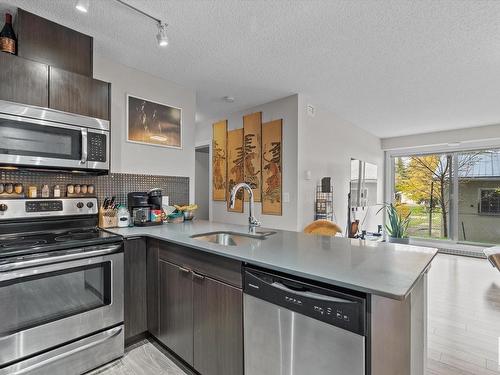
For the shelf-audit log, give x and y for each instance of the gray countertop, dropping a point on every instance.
(380, 268)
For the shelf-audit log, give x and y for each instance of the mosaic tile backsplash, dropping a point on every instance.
(114, 184)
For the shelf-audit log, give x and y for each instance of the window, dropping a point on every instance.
(489, 201)
(422, 186)
(453, 195)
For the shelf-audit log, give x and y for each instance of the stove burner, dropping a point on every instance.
(77, 236)
(21, 243)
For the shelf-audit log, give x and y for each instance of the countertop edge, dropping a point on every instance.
(398, 297)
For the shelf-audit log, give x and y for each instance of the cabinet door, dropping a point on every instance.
(176, 310)
(218, 327)
(75, 93)
(23, 81)
(42, 40)
(135, 289)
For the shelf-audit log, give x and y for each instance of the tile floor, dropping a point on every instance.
(143, 358)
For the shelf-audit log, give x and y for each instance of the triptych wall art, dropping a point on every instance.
(252, 155)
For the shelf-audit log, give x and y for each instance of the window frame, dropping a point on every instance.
(480, 201)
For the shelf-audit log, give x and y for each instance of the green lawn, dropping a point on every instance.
(419, 222)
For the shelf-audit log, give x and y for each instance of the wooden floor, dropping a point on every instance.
(464, 317)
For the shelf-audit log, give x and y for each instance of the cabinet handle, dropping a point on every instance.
(185, 270)
(198, 276)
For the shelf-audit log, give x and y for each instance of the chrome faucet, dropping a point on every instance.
(252, 221)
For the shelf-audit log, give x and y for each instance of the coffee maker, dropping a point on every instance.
(145, 208)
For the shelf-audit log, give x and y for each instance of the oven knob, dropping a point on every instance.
(79, 205)
(3, 207)
(90, 204)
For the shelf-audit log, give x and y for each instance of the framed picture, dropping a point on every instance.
(272, 167)
(153, 123)
(235, 160)
(219, 160)
(252, 138)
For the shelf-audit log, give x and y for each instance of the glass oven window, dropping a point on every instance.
(35, 300)
(28, 139)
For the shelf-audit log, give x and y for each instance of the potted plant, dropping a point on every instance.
(397, 224)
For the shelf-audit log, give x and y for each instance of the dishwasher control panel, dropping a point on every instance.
(330, 306)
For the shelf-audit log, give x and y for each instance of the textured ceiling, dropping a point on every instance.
(391, 67)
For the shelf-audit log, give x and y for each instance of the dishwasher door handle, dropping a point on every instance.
(316, 296)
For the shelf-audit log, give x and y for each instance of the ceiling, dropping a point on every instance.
(391, 67)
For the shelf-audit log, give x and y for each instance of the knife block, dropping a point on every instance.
(108, 218)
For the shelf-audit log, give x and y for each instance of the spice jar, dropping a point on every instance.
(57, 191)
(84, 189)
(90, 189)
(18, 188)
(9, 188)
(45, 191)
(70, 189)
(32, 192)
(77, 189)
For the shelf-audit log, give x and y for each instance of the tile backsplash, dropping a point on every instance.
(114, 184)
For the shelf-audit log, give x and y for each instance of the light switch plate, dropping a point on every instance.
(286, 197)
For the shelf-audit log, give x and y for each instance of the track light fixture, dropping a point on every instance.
(161, 36)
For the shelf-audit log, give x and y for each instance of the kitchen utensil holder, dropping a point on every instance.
(108, 218)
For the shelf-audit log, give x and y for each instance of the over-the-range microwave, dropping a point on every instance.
(36, 137)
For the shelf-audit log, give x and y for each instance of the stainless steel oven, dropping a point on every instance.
(62, 311)
(45, 138)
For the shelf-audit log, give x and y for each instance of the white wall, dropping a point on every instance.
(323, 144)
(285, 109)
(327, 144)
(202, 184)
(129, 157)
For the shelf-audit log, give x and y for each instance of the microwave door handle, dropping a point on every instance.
(84, 146)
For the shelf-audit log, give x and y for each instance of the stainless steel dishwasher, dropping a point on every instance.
(296, 328)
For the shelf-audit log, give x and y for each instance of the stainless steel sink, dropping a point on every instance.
(227, 238)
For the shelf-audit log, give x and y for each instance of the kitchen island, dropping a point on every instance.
(392, 276)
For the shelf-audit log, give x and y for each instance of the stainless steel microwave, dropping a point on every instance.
(38, 137)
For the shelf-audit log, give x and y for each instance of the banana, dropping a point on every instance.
(190, 207)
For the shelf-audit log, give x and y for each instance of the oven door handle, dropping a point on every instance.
(73, 254)
(109, 335)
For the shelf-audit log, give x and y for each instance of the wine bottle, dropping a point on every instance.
(8, 39)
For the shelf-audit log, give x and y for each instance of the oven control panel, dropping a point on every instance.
(44, 206)
(11, 209)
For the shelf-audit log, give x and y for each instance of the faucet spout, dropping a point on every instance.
(252, 221)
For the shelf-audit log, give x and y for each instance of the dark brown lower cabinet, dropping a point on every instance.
(176, 309)
(135, 288)
(218, 327)
(200, 317)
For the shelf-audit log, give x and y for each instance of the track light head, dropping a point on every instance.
(82, 6)
(161, 37)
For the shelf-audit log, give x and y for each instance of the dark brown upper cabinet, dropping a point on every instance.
(50, 43)
(23, 81)
(76, 93)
